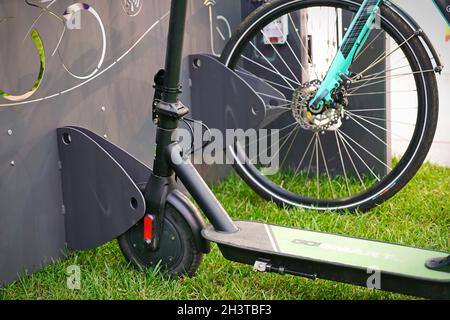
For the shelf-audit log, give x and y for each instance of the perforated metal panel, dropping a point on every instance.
(115, 102)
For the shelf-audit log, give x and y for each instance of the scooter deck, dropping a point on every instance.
(368, 263)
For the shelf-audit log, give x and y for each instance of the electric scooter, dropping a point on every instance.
(170, 231)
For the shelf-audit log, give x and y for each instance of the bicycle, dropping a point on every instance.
(342, 107)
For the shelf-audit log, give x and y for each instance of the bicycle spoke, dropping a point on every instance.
(381, 109)
(297, 127)
(279, 56)
(367, 151)
(43, 9)
(383, 119)
(310, 162)
(317, 166)
(371, 76)
(270, 70)
(351, 160)
(273, 97)
(304, 156)
(384, 56)
(326, 167)
(359, 157)
(278, 107)
(273, 67)
(390, 121)
(344, 170)
(379, 92)
(297, 32)
(290, 147)
(395, 76)
(370, 132)
(375, 125)
(384, 71)
(365, 85)
(292, 51)
(369, 83)
(284, 137)
(272, 133)
(368, 45)
(283, 106)
(243, 71)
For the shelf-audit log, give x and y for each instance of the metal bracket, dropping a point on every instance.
(174, 110)
(99, 181)
(215, 87)
(100, 192)
(224, 99)
(261, 266)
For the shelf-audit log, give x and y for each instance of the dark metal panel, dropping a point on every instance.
(215, 93)
(216, 100)
(137, 170)
(32, 231)
(101, 200)
(115, 103)
(31, 218)
(269, 98)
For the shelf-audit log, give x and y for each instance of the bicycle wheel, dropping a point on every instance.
(365, 150)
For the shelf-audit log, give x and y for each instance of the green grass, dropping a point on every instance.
(419, 215)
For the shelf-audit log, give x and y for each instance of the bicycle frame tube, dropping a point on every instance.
(354, 40)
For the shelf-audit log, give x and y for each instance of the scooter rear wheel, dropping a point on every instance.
(177, 256)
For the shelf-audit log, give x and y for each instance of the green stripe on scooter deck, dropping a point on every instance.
(360, 253)
(331, 249)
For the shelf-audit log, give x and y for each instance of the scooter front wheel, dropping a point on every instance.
(178, 254)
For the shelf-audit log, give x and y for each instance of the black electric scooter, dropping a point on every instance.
(172, 233)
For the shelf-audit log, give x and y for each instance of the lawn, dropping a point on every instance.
(419, 215)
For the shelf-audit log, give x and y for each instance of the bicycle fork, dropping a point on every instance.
(354, 40)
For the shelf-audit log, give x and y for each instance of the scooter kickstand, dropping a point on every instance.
(262, 266)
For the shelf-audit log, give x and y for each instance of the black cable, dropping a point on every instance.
(187, 121)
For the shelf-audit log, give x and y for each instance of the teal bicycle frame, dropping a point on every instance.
(354, 40)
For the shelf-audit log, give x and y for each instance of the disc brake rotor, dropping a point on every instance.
(329, 119)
